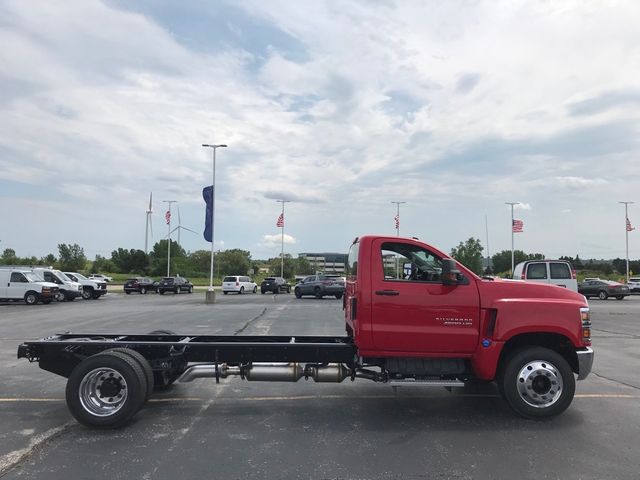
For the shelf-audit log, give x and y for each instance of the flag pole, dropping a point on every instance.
(398, 233)
(512, 250)
(282, 238)
(627, 226)
(486, 229)
(169, 235)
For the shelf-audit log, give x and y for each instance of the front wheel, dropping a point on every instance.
(190, 290)
(603, 295)
(143, 291)
(241, 290)
(31, 298)
(60, 297)
(87, 293)
(537, 382)
(297, 293)
(255, 289)
(317, 292)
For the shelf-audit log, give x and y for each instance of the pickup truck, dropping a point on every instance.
(413, 316)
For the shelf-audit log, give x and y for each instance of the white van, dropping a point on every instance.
(17, 284)
(68, 290)
(555, 272)
(238, 284)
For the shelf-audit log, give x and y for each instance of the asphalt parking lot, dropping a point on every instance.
(357, 430)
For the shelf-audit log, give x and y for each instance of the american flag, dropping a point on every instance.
(629, 227)
(167, 216)
(517, 226)
(397, 219)
(280, 222)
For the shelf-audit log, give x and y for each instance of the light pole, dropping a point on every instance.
(512, 232)
(627, 229)
(168, 217)
(213, 207)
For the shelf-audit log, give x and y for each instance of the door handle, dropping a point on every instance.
(390, 293)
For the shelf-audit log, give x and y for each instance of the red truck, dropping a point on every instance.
(413, 316)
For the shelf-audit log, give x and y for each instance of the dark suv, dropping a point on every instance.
(140, 285)
(175, 285)
(275, 285)
(320, 285)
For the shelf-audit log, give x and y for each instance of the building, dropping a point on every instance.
(326, 262)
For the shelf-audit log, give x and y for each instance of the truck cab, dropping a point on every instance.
(418, 314)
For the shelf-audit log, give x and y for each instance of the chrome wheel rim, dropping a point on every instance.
(539, 384)
(103, 392)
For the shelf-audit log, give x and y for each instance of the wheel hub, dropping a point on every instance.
(539, 384)
(103, 392)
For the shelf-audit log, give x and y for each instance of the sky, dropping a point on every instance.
(340, 107)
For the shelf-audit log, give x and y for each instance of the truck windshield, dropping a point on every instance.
(33, 277)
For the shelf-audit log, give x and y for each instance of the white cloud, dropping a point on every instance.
(522, 206)
(271, 241)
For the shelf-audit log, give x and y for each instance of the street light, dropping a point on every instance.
(213, 207)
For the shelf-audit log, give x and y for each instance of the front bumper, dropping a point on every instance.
(585, 362)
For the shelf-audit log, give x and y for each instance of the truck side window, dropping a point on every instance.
(18, 278)
(407, 262)
(560, 271)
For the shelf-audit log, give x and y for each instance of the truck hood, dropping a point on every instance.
(492, 291)
(48, 284)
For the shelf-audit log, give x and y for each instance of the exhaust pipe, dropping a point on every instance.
(269, 372)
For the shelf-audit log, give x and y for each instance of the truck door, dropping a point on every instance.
(17, 286)
(412, 311)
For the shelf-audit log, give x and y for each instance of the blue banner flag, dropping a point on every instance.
(207, 194)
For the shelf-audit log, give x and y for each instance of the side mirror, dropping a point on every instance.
(450, 272)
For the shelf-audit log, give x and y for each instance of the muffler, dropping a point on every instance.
(269, 372)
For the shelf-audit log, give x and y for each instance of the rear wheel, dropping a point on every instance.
(60, 297)
(620, 297)
(106, 390)
(297, 293)
(537, 382)
(31, 298)
(255, 289)
(143, 291)
(146, 367)
(317, 292)
(603, 295)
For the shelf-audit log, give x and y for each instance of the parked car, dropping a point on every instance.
(68, 290)
(103, 278)
(91, 289)
(555, 272)
(275, 285)
(238, 284)
(175, 285)
(19, 284)
(603, 289)
(140, 285)
(634, 284)
(320, 285)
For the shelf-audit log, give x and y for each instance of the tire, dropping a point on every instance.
(161, 292)
(255, 289)
(61, 297)
(262, 291)
(317, 292)
(602, 295)
(297, 293)
(143, 291)
(146, 367)
(338, 296)
(127, 292)
(31, 298)
(620, 297)
(177, 290)
(96, 295)
(537, 382)
(87, 293)
(87, 401)
(224, 293)
(241, 291)
(191, 290)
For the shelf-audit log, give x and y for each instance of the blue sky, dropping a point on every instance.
(341, 107)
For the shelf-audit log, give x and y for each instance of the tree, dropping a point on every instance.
(233, 262)
(72, 257)
(469, 254)
(101, 264)
(302, 266)
(9, 256)
(289, 266)
(501, 261)
(158, 257)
